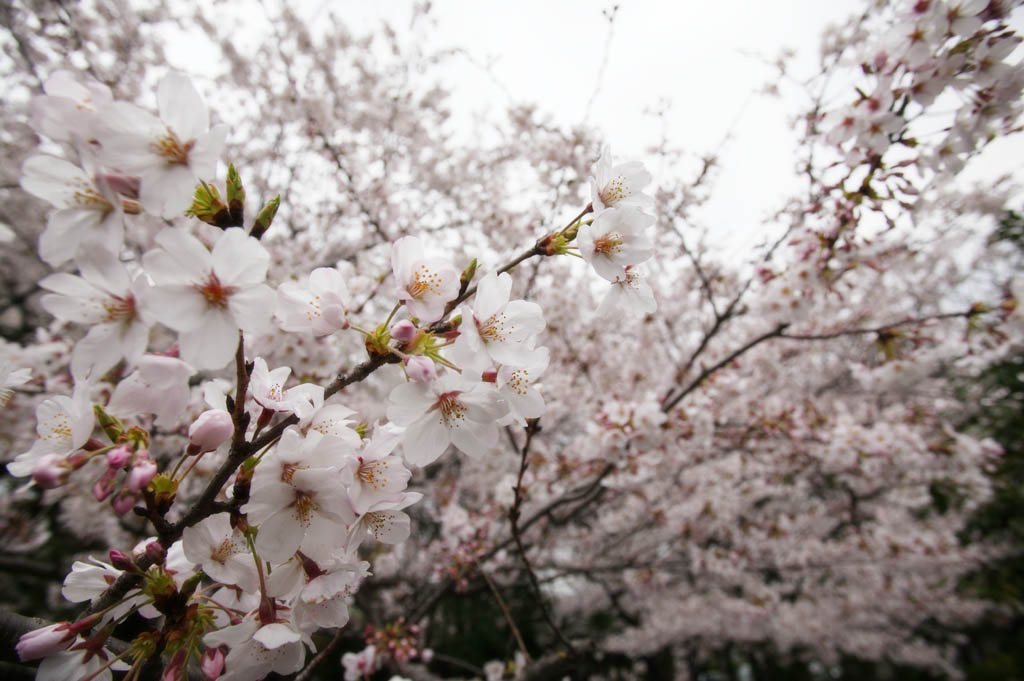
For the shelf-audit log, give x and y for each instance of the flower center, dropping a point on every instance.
(119, 309)
(494, 328)
(372, 473)
(216, 293)
(452, 411)
(615, 191)
(173, 150)
(424, 281)
(224, 551)
(59, 429)
(304, 508)
(608, 244)
(519, 381)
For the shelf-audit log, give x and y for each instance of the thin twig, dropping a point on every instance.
(328, 649)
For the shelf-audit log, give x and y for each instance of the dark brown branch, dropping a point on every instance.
(315, 662)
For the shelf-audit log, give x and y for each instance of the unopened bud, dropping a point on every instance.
(403, 330)
(124, 502)
(212, 663)
(122, 561)
(119, 456)
(210, 430)
(44, 642)
(266, 217)
(139, 476)
(420, 369)
(103, 487)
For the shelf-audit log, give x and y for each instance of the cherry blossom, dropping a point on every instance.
(11, 378)
(110, 302)
(88, 212)
(449, 411)
(619, 185)
(317, 306)
(616, 239)
(505, 330)
(170, 153)
(63, 424)
(423, 284)
(207, 296)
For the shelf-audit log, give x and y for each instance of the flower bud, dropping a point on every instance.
(124, 502)
(140, 475)
(44, 642)
(421, 369)
(403, 330)
(122, 561)
(119, 456)
(50, 471)
(155, 552)
(103, 487)
(212, 428)
(212, 663)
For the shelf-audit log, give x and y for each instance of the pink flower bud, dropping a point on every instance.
(44, 642)
(119, 456)
(403, 331)
(213, 427)
(212, 663)
(155, 552)
(122, 561)
(175, 669)
(420, 369)
(124, 502)
(139, 476)
(103, 487)
(50, 471)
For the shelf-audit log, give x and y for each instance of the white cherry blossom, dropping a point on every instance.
(617, 238)
(11, 378)
(87, 209)
(208, 296)
(423, 284)
(109, 301)
(67, 112)
(222, 551)
(505, 330)
(63, 424)
(317, 306)
(449, 411)
(159, 385)
(170, 153)
(618, 185)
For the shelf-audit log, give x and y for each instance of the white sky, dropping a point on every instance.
(704, 60)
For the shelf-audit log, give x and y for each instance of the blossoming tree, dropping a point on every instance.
(417, 371)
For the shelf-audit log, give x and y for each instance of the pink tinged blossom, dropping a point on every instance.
(11, 378)
(221, 551)
(44, 642)
(88, 581)
(361, 665)
(384, 521)
(629, 293)
(318, 306)
(208, 296)
(88, 212)
(106, 300)
(450, 411)
(403, 330)
(212, 663)
(420, 369)
(67, 112)
(159, 385)
(170, 153)
(211, 429)
(616, 239)
(124, 502)
(505, 330)
(424, 285)
(267, 388)
(63, 424)
(332, 420)
(619, 185)
(51, 470)
(516, 386)
(119, 456)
